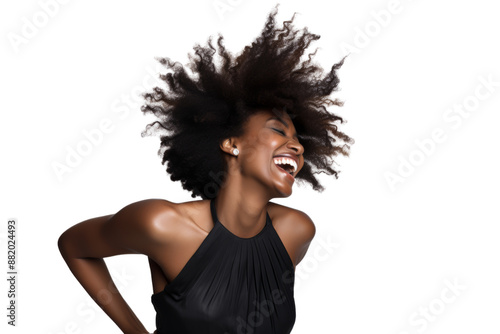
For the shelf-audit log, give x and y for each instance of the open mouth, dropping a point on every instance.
(286, 164)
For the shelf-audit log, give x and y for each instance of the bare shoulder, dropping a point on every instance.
(288, 218)
(156, 219)
(295, 229)
(146, 227)
(162, 216)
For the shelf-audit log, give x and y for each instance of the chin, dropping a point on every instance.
(283, 193)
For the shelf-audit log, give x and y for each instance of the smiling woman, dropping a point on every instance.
(239, 132)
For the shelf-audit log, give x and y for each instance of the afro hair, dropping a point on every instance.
(199, 110)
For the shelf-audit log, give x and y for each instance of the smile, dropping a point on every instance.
(286, 165)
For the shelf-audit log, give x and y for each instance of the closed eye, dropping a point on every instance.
(279, 131)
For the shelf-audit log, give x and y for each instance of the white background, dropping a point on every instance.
(382, 255)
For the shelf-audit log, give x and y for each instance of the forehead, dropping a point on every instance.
(264, 116)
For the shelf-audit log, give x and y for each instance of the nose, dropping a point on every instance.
(295, 145)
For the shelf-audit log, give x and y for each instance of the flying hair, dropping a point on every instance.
(211, 103)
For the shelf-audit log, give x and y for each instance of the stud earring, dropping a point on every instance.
(236, 151)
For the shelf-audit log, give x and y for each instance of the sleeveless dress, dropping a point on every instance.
(231, 285)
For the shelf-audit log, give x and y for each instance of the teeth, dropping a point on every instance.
(282, 161)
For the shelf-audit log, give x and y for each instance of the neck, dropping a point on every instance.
(241, 206)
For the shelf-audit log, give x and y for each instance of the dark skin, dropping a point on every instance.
(169, 233)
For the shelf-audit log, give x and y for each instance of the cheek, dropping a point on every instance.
(256, 146)
(263, 136)
(258, 154)
(268, 139)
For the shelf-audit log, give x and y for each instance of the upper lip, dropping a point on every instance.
(291, 156)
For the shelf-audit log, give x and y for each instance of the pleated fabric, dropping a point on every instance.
(231, 285)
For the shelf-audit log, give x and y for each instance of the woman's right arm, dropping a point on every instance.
(139, 228)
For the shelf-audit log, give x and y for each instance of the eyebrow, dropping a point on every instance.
(284, 123)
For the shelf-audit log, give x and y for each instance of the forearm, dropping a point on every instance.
(93, 275)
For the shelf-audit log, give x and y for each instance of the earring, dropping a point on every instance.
(236, 151)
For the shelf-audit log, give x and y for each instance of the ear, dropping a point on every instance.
(228, 144)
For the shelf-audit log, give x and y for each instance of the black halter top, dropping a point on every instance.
(231, 285)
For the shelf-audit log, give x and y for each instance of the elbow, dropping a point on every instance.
(63, 243)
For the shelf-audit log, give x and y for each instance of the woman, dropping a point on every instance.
(240, 132)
